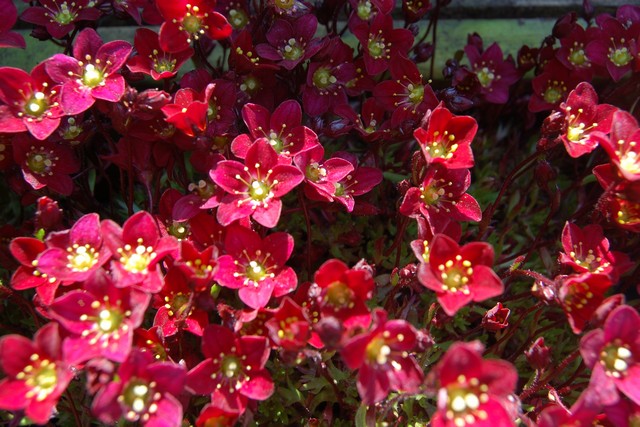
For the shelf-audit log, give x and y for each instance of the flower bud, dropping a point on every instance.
(538, 355)
(496, 318)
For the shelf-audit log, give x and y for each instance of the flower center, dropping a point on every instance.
(364, 10)
(238, 19)
(40, 376)
(109, 320)
(81, 258)
(339, 295)
(376, 47)
(259, 191)
(314, 172)
(92, 76)
(137, 396)
(463, 405)
(191, 24)
(485, 76)
(629, 161)
(340, 190)
(616, 359)
(37, 105)
(628, 213)
(284, 4)
(292, 50)
(179, 230)
(621, 56)
(455, 275)
(322, 78)
(440, 147)
(138, 259)
(416, 93)
(161, 65)
(577, 56)
(255, 271)
(377, 351)
(64, 16)
(431, 194)
(554, 92)
(230, 366)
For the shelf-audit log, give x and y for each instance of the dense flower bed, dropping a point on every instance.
(268, 213)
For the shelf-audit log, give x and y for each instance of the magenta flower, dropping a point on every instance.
(31, 102)
(74, 255)
(473, 391)
(92, 73)
(45, 163)
(255, 266)
(143, 391)
(100, 318)
(36, 373)
(362, 180)
(459, 274)
(138, 248)
(233, 370)
(552, 86)
(380, 41)
(254, 188)
(59, 17)
(615, 48)
(152, 59)
(9, 38)
(188, 20)
(383, 359)
(321, 176)
(291, 43)
(612, 354)
(282, 129)
(494, 73)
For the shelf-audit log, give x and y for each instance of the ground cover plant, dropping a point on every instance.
(279, 212)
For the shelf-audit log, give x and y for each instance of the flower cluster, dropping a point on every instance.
(264, 213)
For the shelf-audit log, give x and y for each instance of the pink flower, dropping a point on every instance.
(31, 102)
(321, 176)
(233, 370)
(254, 188)
(188, 20)
(612, 354)
(473, 391)
(101, 319)
(255, 266)
(459, 274)
(143, 391)
(382, 358)
(36, 373)
(623, 145)
(92, 73)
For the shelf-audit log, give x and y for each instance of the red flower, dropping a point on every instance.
(188, 20)
(587, 250)
(45, 163)
(91, 74)
(59, 17)
(26, 250)
(188, 112)
(612, 354)
(36, 373)
(473, 391)
(623, 145)
(497, 318)
(142, 391)
(580, 295)
(459, 274)
(382, 358)
(76, 254)
(442, 197)
(255, 266)
(138, 248)
(233, 371)
(101, 319)
(289, 328)
(152, 59)
(445, 138)
(552, 86)
(9, 38)
(254, 188)
(583, 116)
(344, 292)
(380, 40)
(31, 102)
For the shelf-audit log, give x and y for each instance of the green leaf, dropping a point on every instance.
(361, 416)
